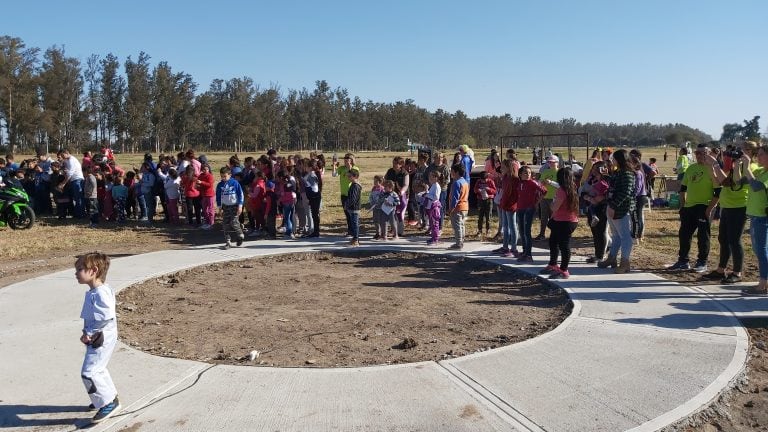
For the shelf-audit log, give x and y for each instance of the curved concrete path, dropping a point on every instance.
(638, 353)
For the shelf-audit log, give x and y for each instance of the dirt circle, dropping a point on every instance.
(322, 309)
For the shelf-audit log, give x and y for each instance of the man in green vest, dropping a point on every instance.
(699, 194)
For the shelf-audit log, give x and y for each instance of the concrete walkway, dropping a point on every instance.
(637, 353)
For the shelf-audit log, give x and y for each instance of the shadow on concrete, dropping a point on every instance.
(24, 415)
(685, 321)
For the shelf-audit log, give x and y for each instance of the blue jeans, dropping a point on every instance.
(151, 203)
(288, 218)
(509, 229)
(758, 230)
(76, 194)
(621, 237)
(147, 205)
(354, 224)
(525, 222)
(142, 206)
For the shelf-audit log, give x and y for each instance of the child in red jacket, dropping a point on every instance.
(529, 195)
(257, 193)
(206, 185)
(191, 195)
(485, 190)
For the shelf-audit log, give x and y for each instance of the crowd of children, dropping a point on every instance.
(107, 192)
(254, 193)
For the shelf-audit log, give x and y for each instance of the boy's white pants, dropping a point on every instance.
(95, 376)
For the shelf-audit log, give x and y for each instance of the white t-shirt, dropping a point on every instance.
(73, 168)
(433, 194)
(98, 307)
(182, 166)
(172, 187)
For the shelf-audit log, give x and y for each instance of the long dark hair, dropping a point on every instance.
(622, 160)
(568, 185)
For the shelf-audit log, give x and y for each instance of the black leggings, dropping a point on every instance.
(314, 208)
(560, 242)
(194, 209)
(484, 212)
(599, 237)
(732, 222)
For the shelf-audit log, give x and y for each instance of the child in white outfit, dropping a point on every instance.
(99, 333)
(387, 203)
(373, 200)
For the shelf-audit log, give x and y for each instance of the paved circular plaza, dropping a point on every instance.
(637, 353)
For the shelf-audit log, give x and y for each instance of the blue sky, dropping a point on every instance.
(702, 63)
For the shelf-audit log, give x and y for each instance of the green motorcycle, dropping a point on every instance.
(15, 211)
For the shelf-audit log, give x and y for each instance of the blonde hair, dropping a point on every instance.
(95, 261)
(750, 147)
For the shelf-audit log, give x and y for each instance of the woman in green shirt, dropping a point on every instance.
(682, 163)
(757, 205)
(733, 214)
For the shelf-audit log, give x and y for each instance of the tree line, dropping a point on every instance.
(58, 102)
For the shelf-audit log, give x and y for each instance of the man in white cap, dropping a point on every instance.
(548, 173)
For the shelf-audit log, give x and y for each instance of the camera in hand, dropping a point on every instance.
(736, 153)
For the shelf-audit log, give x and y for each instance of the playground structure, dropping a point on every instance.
(543, 145)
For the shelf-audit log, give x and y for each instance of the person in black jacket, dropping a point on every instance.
(353, 205)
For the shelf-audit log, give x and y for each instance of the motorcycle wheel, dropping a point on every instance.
(23, 221)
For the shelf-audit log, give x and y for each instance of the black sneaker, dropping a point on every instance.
(680, 265)
(107, 411)
(731, 279)
(714, 275)
(701, 267)
(240, 240)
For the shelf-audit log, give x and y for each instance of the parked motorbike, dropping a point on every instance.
(15, 211)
